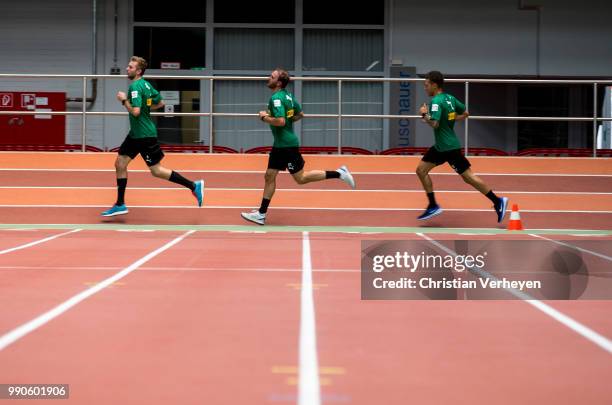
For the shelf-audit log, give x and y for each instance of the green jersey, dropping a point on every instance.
(283, 104)
(142, 94)
(444, 108)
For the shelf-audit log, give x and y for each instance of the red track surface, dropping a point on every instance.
(215, 318)
(524, 180)
(220, 311)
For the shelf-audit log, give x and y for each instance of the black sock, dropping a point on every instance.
(432, 200)
(332, 175)
(264, 205)
(494, 199)
(121, 185)
(178, 179)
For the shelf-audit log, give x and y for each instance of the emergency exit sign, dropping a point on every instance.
(171, 65)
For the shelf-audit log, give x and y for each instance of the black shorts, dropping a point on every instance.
(149, 149)
(286, 159)
(454, 157)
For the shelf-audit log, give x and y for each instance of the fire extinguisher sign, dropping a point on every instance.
(6, 100)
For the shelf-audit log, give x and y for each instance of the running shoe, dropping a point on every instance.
(115, 210)
(255, 216)
(430, 212)
(346, 176)
(501, 208)
(198, 192)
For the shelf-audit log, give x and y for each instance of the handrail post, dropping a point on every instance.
(339, 117)
(210, 122)
(595, 119)
(466, 122)
(84, 116)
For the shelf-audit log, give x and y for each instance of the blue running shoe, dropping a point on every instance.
(501, 209)
(430, 212)
(115, 210)
(198, 193)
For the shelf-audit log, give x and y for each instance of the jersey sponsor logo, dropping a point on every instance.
(451, 116)
(435, 107)
(134, 94)
(290, 166)
(290, 113)
(276, 103)
(149, 102)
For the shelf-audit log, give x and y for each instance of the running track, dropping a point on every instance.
(232, 316)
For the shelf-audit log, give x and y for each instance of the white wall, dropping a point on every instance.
(487, 37)
(577, 38)
(49, 37)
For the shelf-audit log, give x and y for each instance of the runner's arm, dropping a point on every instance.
(158, 105)
(298, 117)
(460, 117)
(274, 121)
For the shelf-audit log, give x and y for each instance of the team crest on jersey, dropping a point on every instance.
(290, 166)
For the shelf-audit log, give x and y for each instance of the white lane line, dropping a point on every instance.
(177, 269)
(569, 322)
(30, 326)
(71, 268)
(292, 208)
(411, 173)
(37, 242)
(412, 191)
(309, 388)
(600, 255)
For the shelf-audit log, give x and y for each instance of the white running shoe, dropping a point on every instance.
(346, 176)
(255, 216)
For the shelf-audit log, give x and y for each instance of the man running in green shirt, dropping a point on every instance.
(283, 111)
(142, 138)
(441, 114)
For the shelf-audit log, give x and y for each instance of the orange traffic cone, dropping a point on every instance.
(515, 223)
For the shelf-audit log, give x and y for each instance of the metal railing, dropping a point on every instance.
(339, 116)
